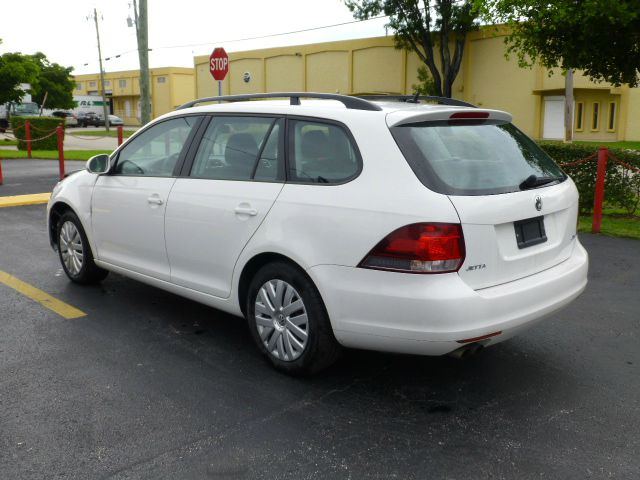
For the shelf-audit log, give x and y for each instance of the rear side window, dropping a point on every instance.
(321, 153)
(473, 159)
(240, 148)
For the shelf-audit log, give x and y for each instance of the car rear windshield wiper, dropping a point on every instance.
(533, 181)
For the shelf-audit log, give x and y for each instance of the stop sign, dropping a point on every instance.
(219, 63)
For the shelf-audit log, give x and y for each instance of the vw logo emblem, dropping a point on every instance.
(538, 203)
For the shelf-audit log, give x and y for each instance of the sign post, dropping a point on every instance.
(219, 66)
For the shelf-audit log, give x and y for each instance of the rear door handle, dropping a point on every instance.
(246, 211)
(154, 200)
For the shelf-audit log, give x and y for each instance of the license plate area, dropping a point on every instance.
(530, 232)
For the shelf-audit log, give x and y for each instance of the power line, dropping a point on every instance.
(167, 47)
(271, 35)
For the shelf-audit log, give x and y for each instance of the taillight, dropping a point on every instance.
(419, 248)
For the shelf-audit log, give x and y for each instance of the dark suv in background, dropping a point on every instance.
(89, 118)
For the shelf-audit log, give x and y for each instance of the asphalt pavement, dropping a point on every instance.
(151, 385)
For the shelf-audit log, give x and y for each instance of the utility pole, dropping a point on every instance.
(568, 106)
(142, 34)
(104, 98)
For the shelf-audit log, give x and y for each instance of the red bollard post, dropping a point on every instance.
(120, 135)
(1, 177)
(60, 132)
(27, 129)
(603, 155)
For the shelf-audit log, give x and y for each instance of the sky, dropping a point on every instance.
(65, 31)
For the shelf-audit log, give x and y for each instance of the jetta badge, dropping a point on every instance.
(538, 203)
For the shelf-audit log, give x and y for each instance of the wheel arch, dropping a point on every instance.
(256, 263)
(57, 210)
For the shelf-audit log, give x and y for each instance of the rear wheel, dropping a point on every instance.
(289, 322)
(75, 253)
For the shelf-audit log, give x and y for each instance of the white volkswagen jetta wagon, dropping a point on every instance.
(337, 221)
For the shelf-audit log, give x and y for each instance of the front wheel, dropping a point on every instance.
(75, 253)
(289, 322)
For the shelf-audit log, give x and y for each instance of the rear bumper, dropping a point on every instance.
(429, 314)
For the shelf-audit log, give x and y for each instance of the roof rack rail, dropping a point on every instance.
(355, 103)
(416, 98)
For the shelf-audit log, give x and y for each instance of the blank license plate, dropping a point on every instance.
(530, 232)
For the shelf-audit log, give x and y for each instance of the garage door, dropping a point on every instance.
(553, 118)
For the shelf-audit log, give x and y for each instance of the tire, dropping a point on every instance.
(279, 332)
(75, 253)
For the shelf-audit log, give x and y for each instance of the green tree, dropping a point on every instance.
(601, 37)
(430, 29)
(15, 69)
(425, 85)
(54, 81)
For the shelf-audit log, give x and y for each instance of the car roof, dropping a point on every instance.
(396, 109)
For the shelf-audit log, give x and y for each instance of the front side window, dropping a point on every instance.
(240, 148)
(155, 151)
(321, 153)
(473, 159)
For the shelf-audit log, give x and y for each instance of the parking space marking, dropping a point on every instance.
(19, 200)
(63, 309)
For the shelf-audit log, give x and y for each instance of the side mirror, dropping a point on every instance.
(98, 164)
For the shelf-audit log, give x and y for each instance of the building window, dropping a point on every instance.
(92, 84)
(611, 117)
(595, 116)
(579, 116)
(107, 83)
(122, 83)
(162, 79)
(78, 86)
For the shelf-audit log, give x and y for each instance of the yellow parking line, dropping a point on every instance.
(19, 200)
(63, 309)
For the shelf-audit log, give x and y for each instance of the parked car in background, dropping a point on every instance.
(89, 118)
(384, 225)
(115, 121)
(70, 119)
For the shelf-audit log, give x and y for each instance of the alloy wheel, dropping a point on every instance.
(281, 320)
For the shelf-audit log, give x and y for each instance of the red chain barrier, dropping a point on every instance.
(27, 126)
(624, 164)
(60, 132)
(579, 162)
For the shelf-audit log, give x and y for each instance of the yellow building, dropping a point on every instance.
(486, 78)
(170, 87)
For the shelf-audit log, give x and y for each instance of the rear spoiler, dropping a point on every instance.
(454, 116)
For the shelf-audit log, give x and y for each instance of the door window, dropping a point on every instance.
(240, 148)
(155, 152)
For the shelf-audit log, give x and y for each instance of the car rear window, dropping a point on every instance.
(473, 159)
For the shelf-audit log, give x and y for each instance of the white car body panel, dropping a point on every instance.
(492, 253)
(208, 223)
(128, 222)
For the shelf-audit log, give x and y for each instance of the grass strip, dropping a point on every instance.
(52, 154)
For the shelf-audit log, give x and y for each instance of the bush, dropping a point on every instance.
(622, 186)
(40, 127)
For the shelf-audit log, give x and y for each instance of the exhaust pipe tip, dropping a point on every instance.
(466, 351)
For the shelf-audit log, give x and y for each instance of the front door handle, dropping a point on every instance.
(154, 200)
(246, 210)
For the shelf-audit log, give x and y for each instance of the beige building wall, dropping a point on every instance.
(328, 71)
(170, 87)
(486, 79)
